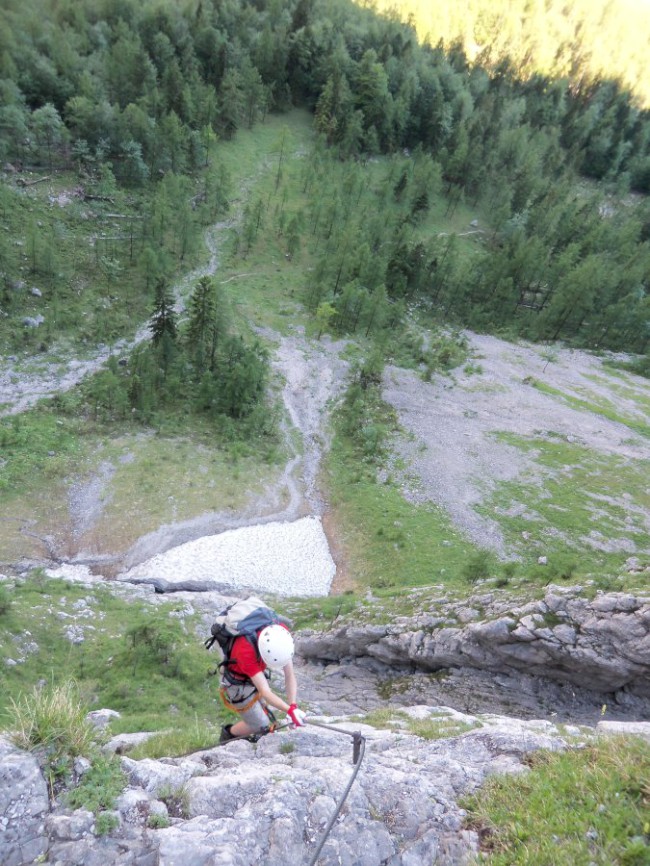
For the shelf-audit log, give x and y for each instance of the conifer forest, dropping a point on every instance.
(133, 100)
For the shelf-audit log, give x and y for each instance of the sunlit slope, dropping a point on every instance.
(600, 38)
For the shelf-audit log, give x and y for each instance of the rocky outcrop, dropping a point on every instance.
(268, 803)
(600, 643)
(24, 806)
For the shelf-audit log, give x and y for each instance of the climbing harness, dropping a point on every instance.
(240, 707)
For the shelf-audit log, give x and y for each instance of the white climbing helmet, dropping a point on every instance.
(276, 646)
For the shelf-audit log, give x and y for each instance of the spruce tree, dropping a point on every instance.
(163, 320)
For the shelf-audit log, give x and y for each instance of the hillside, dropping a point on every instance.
(472, 456)
(602, 39)
(295, 303)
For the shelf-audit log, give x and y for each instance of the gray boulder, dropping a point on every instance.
(24, 805)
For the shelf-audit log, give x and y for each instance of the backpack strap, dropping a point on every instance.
(227, 664)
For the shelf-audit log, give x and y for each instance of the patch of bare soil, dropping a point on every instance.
(343, 580)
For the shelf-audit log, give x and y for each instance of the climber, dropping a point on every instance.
(245, 683)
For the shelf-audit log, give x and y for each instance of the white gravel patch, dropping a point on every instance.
(291, 559)
(73, 572)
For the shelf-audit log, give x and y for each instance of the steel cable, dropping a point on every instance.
(358, 751)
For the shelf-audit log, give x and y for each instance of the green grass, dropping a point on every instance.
(266, 288)
(432, 728)
(628, 388)
(146, 662)
(36, 448)
(155, 478)
(99, 786)
(578, 492)
(161, 479)
(323, 613)
(178, 741)
(576, 808)
(598, 405)
(38, 453)
(391, 543)
(263, 285)
(640, 366)
(61, 249)
(52, 720)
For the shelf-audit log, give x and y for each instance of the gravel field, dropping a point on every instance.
(454, 457)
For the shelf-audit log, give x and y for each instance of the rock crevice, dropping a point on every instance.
(601, 644)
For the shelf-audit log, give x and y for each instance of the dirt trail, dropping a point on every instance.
(312, 377)
(24, 382)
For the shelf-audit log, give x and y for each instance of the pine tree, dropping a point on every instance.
(163, 321)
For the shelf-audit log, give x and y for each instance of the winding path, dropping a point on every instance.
(311, 376)
(22, 387)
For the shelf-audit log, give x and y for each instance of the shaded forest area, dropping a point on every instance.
(133, 94)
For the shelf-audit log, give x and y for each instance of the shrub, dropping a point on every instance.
(151, 641)
(157, 821)
(5, 600)
(477, 567)
(100, 786)
(105, 822)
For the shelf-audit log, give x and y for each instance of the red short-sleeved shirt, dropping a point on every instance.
(244, 659)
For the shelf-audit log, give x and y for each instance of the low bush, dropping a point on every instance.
(477, 566)
(5, 600)
(100, 786)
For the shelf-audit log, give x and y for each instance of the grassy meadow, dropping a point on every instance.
(146, 662)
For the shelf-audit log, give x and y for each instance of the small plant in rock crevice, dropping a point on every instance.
(177, 800)
(157, 821)
(100, 786)
(105, 822)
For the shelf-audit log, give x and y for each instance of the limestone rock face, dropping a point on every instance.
(270, 802)
(24, 806)
(601, 643)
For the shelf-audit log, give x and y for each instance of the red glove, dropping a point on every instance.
(297, 716)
